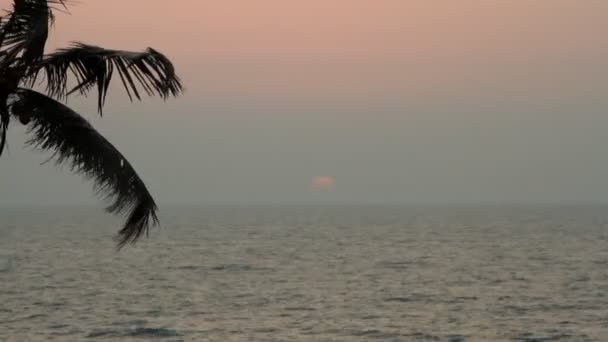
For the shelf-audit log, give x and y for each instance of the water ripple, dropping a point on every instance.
(365, 274)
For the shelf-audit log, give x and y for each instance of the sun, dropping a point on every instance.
(323, 183)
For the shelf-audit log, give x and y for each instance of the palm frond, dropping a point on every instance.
(94, 66)
(4, 121)
(25, 28)
(57, 128)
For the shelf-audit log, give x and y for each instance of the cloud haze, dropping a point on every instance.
(399, 101)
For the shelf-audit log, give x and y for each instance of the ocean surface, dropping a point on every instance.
(308, 274)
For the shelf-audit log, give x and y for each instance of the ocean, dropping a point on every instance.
(350, 273)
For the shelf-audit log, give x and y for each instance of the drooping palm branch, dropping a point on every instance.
(57, 128)
(93, 66)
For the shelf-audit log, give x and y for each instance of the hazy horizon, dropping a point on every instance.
(399, 101)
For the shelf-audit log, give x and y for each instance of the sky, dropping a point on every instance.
(417, 101)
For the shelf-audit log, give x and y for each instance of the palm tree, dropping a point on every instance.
(55, 127)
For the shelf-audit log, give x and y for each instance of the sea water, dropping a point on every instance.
(341, 273)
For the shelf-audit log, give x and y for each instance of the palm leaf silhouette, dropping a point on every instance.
(55, 127)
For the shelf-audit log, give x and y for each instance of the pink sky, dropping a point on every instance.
(395, 99)
(352, 47)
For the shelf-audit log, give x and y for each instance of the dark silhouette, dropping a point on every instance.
(55, 127)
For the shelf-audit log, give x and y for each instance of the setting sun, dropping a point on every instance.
(323, 183)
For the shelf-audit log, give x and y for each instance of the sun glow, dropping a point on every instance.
(323, 183)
